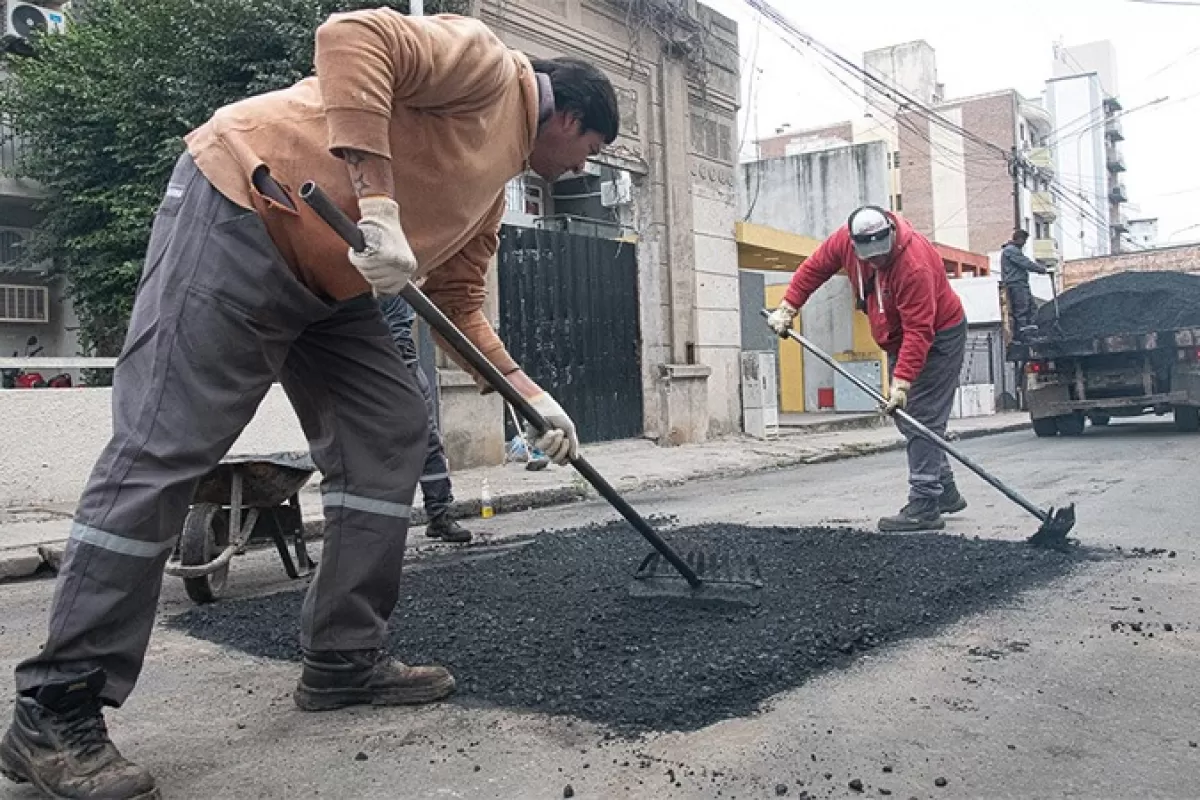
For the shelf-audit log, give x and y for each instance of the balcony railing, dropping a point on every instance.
(1045, 251)
(1114, 130)
(1115, 158)
(1041, 158)
(1043, 207)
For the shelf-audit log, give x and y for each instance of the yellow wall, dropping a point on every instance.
(791, 359)
(864, 342)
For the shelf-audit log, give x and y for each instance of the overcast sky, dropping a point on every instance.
(985, 46)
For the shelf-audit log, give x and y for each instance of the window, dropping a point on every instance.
(897, 203)
(1041, 230)
(896, 159)
(12, 243)
(1023, 140)
(889, 160)
(24, 304)
(535, 201)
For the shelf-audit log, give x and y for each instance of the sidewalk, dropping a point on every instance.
(31, 537)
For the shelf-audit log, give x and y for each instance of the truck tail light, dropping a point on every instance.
(1191, 354)
(1037, 367)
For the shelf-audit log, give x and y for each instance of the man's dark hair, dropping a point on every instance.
(583, 91)
(1020, 233)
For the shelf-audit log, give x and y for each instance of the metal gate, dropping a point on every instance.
(569, 316)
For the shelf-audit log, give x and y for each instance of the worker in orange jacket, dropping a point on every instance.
(413, 126)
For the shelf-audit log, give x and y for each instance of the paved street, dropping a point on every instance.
(1055, 695)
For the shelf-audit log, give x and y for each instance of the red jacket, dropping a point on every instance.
(907, 301)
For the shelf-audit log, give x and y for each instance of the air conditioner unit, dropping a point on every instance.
(22, 20)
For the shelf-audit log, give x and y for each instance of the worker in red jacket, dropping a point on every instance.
(918, 320)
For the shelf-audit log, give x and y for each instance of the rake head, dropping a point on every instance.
(725, 580)
(1053, 533)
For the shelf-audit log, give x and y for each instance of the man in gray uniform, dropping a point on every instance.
(244, 285)
(436, 489)
(1015, 267)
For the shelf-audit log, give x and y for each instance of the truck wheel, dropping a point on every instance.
(1045, 427)
(1100, 420)
(1070, 424)
(205, 535)
(1187, 419)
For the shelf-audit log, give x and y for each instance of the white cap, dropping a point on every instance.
(872, 232)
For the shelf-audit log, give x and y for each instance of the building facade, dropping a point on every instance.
(1082, 97)
(666, 188)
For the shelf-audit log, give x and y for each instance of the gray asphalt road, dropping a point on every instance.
(1055, 695)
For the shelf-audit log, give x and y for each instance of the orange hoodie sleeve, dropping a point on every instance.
(369, 62)
(459, 288)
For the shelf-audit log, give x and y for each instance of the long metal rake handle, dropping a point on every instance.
(348, 230)
(929, 435)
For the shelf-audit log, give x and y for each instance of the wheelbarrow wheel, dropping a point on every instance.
(205, 535)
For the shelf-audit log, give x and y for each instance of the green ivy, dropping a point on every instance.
(101, 111)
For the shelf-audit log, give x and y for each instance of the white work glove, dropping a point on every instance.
(898, 398)
(560, 442)
(780, 320)
(388, 262)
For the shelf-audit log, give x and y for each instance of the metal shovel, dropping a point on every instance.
(715, 580)
(1056, 524)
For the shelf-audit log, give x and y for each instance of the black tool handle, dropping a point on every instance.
(348, 230)
(921, 429)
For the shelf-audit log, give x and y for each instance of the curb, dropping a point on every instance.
(26, 562)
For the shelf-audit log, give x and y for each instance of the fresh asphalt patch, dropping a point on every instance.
(549, 626)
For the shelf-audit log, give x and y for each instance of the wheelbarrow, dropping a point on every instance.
(242, 499)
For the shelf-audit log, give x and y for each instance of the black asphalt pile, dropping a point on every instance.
(549, 626)
(1130, 302)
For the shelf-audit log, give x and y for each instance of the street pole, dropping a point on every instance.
(1016, 176)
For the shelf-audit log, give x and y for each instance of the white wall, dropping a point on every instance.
(52, 438)
(1079, 158)
(951, 217)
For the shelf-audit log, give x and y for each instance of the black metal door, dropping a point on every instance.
(569, 316)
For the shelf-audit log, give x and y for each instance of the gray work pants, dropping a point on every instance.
(436, 489)
(1020, 304)
(218, 318)
(929, 402)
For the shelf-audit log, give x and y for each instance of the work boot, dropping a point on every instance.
(448, 530)
(951, 501)
(339, 678)
(918, 515)
(58, 742)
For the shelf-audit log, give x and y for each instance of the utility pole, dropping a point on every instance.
(1015, 169)
(416, 8)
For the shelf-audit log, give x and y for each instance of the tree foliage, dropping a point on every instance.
(101, 111)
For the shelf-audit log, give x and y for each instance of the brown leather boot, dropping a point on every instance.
(339, 678)
(58, 742)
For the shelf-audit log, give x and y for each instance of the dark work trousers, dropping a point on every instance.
(436, 490)
(1020, 304)
(929, 402)
(218, 318)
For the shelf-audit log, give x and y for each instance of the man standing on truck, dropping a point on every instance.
(414, 126)
(1015, 267)
(900, 284)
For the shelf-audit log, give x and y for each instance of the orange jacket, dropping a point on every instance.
(453, 107)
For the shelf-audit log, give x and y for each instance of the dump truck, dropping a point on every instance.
(1123, 345)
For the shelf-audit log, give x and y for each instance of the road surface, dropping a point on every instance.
(1053, 695)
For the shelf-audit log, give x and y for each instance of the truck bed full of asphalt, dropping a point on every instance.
(549, 626)
(1128, 302)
